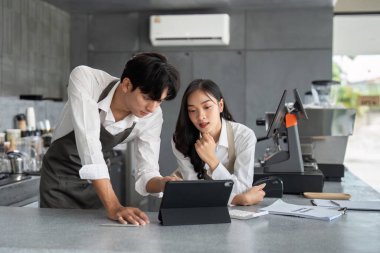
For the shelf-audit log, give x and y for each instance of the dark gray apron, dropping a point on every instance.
(60, 185)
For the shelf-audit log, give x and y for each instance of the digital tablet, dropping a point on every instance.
(195, 202)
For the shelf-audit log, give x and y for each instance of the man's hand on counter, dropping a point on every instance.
(115, 211)
(130, 215)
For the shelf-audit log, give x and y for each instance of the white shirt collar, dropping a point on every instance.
(105, 105)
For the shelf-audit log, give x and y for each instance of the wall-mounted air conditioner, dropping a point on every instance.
(190, 30)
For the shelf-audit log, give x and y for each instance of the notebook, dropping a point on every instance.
(195, 202)
(312, 212)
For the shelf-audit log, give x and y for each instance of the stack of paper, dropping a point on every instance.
(312, 212)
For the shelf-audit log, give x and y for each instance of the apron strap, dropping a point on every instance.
(108, 140)
(105, 92)
(231, 148)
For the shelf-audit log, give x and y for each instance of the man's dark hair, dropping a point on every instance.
(152, 74)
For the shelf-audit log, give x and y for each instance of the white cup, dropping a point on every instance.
(2, 138)
(30, 118)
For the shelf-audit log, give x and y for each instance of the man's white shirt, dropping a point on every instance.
(81, 114)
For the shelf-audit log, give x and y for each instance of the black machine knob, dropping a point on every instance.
(260, 122)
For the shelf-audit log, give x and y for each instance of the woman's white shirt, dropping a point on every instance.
(245, 143)
(81, 114)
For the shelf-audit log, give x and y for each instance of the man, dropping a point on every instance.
(102, 112)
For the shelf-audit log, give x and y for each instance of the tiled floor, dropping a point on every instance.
(363, 149)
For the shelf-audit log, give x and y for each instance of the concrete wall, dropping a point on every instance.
(270, 50)
(34, 48)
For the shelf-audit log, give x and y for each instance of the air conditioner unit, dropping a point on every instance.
(190, 30)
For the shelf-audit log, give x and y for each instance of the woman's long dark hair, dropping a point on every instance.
(186, 134)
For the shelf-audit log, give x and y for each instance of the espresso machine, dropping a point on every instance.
(324, 139)
(325, 135)
(284, 159)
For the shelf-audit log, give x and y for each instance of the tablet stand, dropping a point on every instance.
(193, 216)
(191, 202)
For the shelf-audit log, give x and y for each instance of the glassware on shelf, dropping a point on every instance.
(322, 92)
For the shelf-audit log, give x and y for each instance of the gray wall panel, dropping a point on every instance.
(78, 40)
(35, 51)
(237, 30)
(225, 68)
(113, 63)
(143, 28)
(289, 28)
(270, 72)
(115, 33)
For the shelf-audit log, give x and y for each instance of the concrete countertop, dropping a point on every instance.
(57, 230)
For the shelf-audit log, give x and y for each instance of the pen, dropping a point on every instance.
(343, 209)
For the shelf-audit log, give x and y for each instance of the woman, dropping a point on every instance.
(208, 144)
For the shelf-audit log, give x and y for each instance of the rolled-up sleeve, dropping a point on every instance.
(85, 86)
(147, 150)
